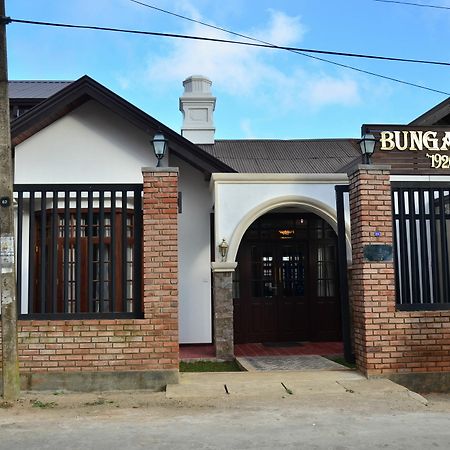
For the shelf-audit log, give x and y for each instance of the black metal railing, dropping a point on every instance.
(79, 250)
(421, 222)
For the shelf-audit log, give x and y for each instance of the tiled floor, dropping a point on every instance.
(207, 351)
(194, 351)
(307, 348)
(291, 362)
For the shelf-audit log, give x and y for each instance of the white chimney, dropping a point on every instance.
(197, 105)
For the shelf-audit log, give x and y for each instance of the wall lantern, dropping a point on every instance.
(223, 249)
(159, 146)
(367, 144)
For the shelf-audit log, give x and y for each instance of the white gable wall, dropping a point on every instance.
(89, 145)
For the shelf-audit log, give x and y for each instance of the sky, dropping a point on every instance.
(261, 93)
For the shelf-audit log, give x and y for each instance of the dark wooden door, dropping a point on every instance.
(273, 305)
(285, 288)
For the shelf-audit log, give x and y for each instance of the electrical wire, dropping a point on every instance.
(411, 4)
(227, 41)
(346, 66)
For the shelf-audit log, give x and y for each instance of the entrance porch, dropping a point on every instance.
(207, 351)
(277, 281)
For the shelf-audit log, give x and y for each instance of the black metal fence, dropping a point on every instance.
(79, 250)
(422, 245)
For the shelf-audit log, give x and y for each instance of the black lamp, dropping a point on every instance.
(159, 146)
(367, 144)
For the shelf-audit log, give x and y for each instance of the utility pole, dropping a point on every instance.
(10, 360)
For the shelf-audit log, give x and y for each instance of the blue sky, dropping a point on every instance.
(261, 93)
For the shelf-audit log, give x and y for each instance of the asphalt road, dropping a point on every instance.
(375, 418)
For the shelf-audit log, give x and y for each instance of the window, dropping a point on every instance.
(422, 245)
(79, 250)
(101, 260)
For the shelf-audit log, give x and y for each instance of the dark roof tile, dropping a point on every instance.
(39, 89)
(285, 156)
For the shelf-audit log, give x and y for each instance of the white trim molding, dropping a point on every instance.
(278, 178)
(223, 266)
(306, 204)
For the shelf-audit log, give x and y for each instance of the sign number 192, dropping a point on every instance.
(439, 161)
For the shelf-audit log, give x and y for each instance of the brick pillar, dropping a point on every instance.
(160, 263)
(223, 309)
(373, 282)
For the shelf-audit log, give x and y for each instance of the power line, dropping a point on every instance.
(200, 38)
(229, 41)
(346, 66)
(411, 4)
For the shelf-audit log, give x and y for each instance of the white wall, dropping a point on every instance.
(240, 199)
(89, 145)
(194, 255)
(94, 145)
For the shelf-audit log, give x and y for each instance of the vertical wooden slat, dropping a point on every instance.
(403, 246)
(19, 250)
(444, 248)
(90, 252)
(54, 248)
(434, 248)
(112, 272)
(415, 274)
(137, 251)
(425, 272)
(396, 246)
(124, 250)
(43, 265)
(101, 256)
(78, 268)
(31, 254)
(67, 233)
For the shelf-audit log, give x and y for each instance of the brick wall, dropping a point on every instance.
(146, 344)
(107, 345)
(385, 340)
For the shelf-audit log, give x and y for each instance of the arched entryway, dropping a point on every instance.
(285, 285)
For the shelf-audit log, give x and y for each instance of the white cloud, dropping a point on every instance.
(246, 127)
(326, 90)
(249, 71)
(124, 82)
(283, 30)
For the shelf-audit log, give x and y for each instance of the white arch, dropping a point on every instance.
(305, 203)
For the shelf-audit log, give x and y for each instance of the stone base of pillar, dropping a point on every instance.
(223, 314)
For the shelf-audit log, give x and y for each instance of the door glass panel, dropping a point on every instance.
(236, 283)
(263, 272)
(326, 269)
(292, 272)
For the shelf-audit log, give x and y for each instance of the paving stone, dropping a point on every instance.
(297, 362)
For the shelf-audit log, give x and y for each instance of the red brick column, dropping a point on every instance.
(160, 262)
(373, 283)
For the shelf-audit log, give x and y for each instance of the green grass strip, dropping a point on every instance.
(209, 366)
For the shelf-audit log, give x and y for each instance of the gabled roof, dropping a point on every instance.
(286, 156)
(34, 89)
(436, 116)
(84, 89)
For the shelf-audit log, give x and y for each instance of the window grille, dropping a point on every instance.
(421, 226)
(79, 250)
